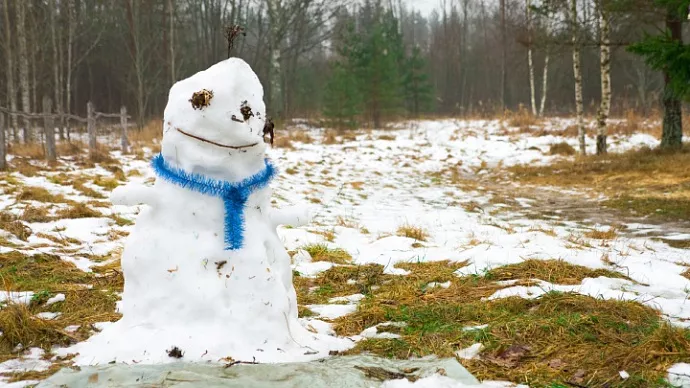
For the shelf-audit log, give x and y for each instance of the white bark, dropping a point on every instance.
(70, 40)
(544, 83)
(124, 142)
(605, 64)
(23, 67)
(57, 85)
(49, 130)
(3, 149)
(530, 62)
(577, 71)
(91, 129)
(9, 72)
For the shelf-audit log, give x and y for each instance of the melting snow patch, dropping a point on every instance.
(332, 311)
(679, 375)
(350, 298)
(57, 298)
(23, 297)
(48, 315)
(470, 352)
(437, 284)
(29, 362)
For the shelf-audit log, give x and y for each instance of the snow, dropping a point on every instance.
(216, 316)
(28, 362)
(470, 352)
(217, 303)
(57, 298)
(438, 381)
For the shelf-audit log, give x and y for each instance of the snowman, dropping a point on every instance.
(206, 276)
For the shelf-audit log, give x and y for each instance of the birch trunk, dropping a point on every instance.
(605, 64)
(530, 62)
(56, 62)
(544, 83)
(70, 40)
(24, 68)
(9, 72)
(3, 149)
(49, 130)
(577, 71)
(504, 74)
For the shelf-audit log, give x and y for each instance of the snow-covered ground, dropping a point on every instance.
(362, 190)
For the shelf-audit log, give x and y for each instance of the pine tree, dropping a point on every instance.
(418, 90)
(379, 67)
(666, 52)
(343, 100)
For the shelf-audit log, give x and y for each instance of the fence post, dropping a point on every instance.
(49, 129)
(123, 123)
(91, 129)
(3, 143)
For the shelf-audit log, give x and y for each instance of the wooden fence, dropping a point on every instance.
(64, 118)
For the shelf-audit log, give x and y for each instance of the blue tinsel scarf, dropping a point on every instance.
(234, 195)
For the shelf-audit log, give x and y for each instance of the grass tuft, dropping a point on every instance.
(561, 148)
(78, 210)
(414, 232)
(321, 252)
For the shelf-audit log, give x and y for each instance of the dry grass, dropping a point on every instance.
(30, 150)
(20, 272)
(644, 181)
(330, 137)
(552, 271)
(78, 210)
(36, 214)
(523, 118)
(150, 134)
(609, 234)
(11, 223)
(411, 231)
(20, 326)
(321, 252)
(553, 340)
(33, 193)
(561, 148)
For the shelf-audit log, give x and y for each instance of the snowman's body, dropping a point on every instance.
(184, 287)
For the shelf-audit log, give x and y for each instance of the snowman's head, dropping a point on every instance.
(214, 121)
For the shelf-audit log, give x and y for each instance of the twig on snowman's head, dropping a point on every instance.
(231, 33)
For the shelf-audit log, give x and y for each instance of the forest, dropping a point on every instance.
(354, 61)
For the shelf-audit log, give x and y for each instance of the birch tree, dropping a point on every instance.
(57, 88)
(504, 55)
(23, 68)
(547, 56)
(603, 112)
(530, 62)
(577, 72)
(9, 71)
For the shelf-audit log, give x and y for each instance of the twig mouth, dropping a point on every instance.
(214, 143)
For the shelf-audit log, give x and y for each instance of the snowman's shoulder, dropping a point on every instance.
(133, 194)
(293, 216)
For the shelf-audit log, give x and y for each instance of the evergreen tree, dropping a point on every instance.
(666, 52)
(343, 100)
(418, 90)
(379, 65)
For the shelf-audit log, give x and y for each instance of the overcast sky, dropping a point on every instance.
(425, 6)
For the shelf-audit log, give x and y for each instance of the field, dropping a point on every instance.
(486, 240)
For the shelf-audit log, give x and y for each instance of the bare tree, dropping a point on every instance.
(530, 62)
(504, 55)
(9, 71)
(24, 68)
(57, 85)
(577, 72)
(603, 112)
